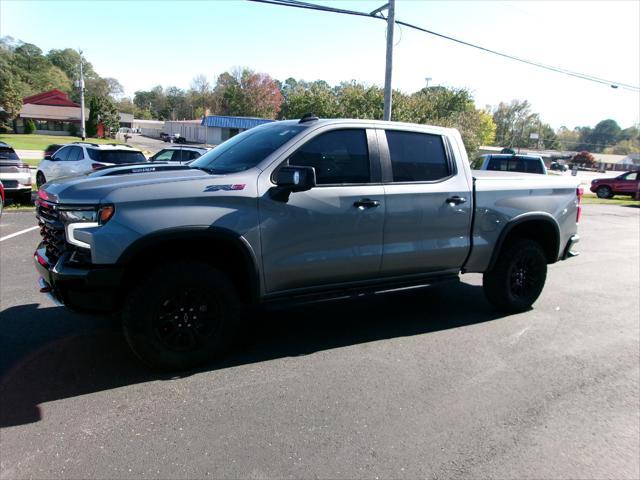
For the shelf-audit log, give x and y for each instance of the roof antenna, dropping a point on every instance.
(308, 117)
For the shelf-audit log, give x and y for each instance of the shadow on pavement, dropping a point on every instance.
(51, 354)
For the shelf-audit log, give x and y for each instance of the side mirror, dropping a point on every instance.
(48, 157)
(296, 179)
(293, 179)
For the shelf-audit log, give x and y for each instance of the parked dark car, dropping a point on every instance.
(625, 184)
(174, 138)
(51, 149)
(559, 167)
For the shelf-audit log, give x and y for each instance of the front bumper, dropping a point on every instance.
(86, 288)
(568, 252)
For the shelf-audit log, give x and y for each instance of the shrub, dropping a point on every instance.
(29, 126)
(584, 159)
(72, 129)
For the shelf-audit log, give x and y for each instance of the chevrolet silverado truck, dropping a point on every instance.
(294, 211)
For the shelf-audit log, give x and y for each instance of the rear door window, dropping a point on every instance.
(338, 157)
(75, 154)
(417, 157)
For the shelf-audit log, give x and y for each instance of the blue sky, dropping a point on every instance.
(146, 43)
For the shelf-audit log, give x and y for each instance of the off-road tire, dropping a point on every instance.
(165, 337)
(604, 192)
(517, 278)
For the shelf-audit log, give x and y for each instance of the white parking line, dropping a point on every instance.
(2, 239)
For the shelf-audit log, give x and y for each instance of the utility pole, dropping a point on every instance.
(391, 17)
(83, 133)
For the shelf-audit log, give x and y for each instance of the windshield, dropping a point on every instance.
(116, 157)
(247, 149)
(8, 154)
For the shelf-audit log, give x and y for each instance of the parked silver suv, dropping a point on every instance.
(290, 211)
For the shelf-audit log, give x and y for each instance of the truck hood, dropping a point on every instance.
(86, 189)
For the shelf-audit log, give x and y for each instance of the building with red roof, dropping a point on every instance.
(53, 113)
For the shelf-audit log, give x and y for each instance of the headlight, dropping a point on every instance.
(73, 216)
(84, 217)
(100, 215)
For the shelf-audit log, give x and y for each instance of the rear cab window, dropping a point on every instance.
(516, 164)
(417, 157)
(117, 157)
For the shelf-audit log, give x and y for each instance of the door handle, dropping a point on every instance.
(456, 200)
(366, 203)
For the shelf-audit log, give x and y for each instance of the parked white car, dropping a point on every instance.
(14, 174)
(179, 154)
(81, 157)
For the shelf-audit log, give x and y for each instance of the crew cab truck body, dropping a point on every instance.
(294, 210)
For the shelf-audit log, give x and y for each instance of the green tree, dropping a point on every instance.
(91, 125)
(29, 126)
(315, 97)
(103, 111)
(605, 133)
(201, 95)
(247, 93)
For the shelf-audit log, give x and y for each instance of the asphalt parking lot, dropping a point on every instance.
(429, 384)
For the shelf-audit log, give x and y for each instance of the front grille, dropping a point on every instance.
(51, 229)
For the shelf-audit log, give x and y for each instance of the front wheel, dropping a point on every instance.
(604, 192)
(181, 315)
(516, 280)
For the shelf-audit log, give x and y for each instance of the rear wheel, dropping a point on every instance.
(516, 280)
(604, 192)
(40, 179)
(181, 315)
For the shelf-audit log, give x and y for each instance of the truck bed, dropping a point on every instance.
(503, 197)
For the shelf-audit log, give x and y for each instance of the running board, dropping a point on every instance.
(345, 293)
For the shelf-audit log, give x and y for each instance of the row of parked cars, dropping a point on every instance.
(64, 160)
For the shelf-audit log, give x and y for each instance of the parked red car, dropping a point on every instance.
(625, 184)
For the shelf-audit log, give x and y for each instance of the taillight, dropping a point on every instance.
(96, 166)
(579, 194)
(24, 168)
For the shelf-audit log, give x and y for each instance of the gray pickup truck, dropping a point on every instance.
(294, 211)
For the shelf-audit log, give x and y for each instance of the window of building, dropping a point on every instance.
(339, 156)
(417, 157)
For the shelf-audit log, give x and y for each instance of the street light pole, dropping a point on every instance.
(83, 133)
(391, 15)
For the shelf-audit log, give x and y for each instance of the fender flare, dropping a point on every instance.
(519, 220)
(198, 233)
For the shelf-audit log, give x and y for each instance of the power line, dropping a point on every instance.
(323, 8)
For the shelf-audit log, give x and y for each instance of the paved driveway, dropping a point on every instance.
(429, 384)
